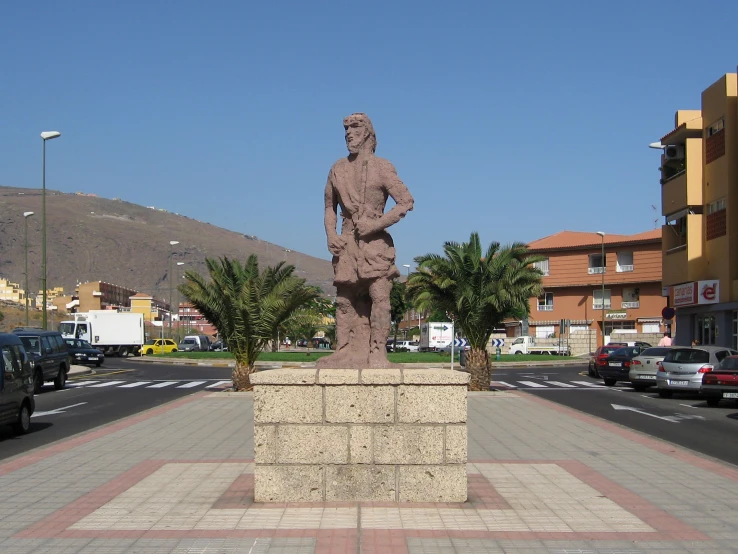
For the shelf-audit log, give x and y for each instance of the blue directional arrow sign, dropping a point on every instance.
(460, 342)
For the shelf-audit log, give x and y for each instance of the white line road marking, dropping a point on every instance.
(57, 411)
(190, 385)
(560, 384)
(136, 384)
(106, 384)
(162, 385)
(688, 405)
(80, 383)
(533, 385)
(219, 384)
(588, 384)
(670, 419)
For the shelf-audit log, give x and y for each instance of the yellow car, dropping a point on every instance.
(157, 346)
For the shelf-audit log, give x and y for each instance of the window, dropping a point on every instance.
(10, 362)
(716, 206)
(631, 298)
(716, 127)
(624, 327)
(546, 302)
(676, 237)
(542, 266)
(544, 331)
(705, 329)
(651, 328)
(625, 262)
(597, 263)
(597, 299)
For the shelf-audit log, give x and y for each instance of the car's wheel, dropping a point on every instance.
(23, 425)
(149, 351)
(38, 381)
(518, 353)
(123, 353)
(61, 379)
(589, 370)
(713, 402)
(610, 382)
(665, 393)
(174, 349)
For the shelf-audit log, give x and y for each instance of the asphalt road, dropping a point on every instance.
(685, 420)
(122, 387)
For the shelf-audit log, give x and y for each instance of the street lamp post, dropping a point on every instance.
(172, 243)
(26, 215)
(179, 319)
(46, 135)
(603, 268)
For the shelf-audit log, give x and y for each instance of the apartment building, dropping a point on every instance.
(699, 200)
(573, 273)
(12, 292)
(192, 319)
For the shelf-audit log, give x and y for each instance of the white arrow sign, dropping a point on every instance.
(58, 410)
(629, 408)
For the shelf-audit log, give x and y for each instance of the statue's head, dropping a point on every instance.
(359, 131)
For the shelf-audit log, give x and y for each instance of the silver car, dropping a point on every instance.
(683, 367)
(643, 368)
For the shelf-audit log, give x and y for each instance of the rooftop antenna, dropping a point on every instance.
(656, 219)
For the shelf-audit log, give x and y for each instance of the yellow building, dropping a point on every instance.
(51, 294)
(11, 292)
(699, 170)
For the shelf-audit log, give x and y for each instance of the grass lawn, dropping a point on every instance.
(397, 357)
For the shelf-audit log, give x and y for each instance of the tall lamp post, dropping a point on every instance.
(46, 135)
(602, 236)
(172, 243)
(179, 319)
(26, 215)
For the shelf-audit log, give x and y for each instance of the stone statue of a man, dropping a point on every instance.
(363, 252)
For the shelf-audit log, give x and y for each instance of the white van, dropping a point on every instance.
(201, 342)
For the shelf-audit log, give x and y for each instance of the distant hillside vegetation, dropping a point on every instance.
(97, 239)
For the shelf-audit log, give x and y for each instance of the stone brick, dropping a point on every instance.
(360, 404)
(434, 377)
(360, 444)
(408, 444)
(431, 404)
(360, 483)
(265, 445)
(432, 483)
(381, 376)
(288, 483)
(288, 404)
(312, 444)
(338, 377)
(456, 444)
(285, 376)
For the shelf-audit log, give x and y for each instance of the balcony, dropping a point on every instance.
(630, 305)
(598, 305)
(595, 270)
(545, 307)
(624, 268)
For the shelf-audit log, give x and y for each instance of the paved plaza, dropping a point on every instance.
(541, 479)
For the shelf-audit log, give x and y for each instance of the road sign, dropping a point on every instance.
(497, 343)
(459, 343)
(668, 313)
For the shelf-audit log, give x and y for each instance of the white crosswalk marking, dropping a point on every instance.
(589, 384)
(106, 384)
(80, 383)
(219, 384)
(560, 384)
(162, 385)
(192, 384)
(136, 384)
(533, 385)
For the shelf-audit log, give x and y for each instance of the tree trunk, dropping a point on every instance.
(477, 364)
(241, 373)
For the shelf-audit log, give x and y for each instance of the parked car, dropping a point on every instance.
(644, 367)
(721, 383)
(616, 365)
(17, 402)
(201, 342)
(302, 343)
(683, 368)
(447, 349)
(598, 357)
(219, 346)
(49, 356)
(83, 352)
(188, 344)
(406, 346)
(158, 346)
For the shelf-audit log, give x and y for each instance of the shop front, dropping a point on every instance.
(701, 317)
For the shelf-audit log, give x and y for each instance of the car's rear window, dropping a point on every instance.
(610, 349)
(687, 356)
(626, 351)
(656, 351)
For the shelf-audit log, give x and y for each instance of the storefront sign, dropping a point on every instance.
(708, 292)
(616, 315)
(685, 295)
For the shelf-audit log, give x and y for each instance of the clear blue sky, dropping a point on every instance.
(516, 120)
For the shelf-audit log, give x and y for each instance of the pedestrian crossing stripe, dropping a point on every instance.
(551, 385)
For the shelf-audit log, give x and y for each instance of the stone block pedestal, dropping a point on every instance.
(338, 435)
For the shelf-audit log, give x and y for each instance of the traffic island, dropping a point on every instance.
(342, 435)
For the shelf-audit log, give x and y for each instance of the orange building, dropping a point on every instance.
(573, 274)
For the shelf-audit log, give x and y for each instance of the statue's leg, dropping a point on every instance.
(379, 291)
(349, 328)
(345, 312)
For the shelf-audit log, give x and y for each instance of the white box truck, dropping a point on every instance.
(435, 335)
(529, 345)
(110, 331)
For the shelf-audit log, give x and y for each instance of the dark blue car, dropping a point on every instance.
(616, 366)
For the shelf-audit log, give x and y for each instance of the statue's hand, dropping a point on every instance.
(366, 227)
(336, 244)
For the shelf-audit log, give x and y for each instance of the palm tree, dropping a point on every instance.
(246, 305)
(398, 305)
(479, 290)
